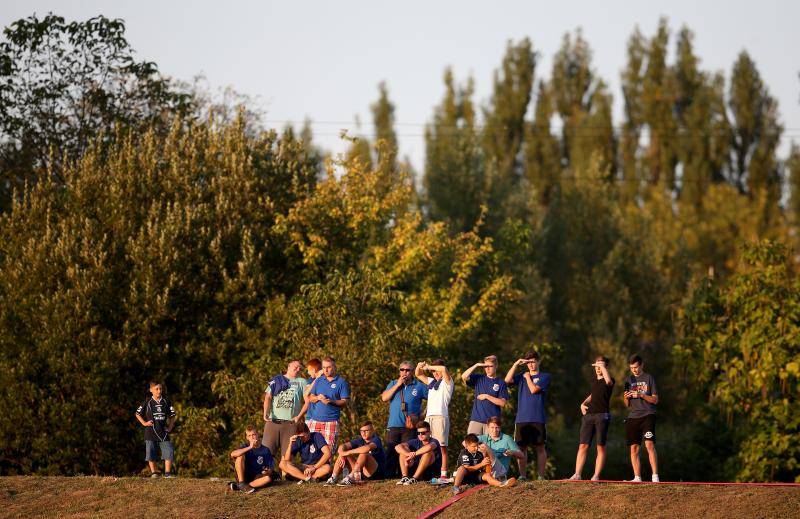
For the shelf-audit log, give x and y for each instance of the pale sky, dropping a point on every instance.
(324, 60)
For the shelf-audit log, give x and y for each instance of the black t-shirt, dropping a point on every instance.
(469, 459)
(160, 411)
(601, 396)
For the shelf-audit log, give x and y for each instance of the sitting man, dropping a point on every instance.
(362, 455)
(315, 455)
(503, 448)
(420, 456)
(253, 464)
(474, 466)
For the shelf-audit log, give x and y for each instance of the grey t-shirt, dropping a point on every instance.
(644, 383)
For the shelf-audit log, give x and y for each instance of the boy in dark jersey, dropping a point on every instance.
(253, 464)
(641, 396)
(157, 416)
(596, 419)
(363, 455)
(475, 466)
(315, 455)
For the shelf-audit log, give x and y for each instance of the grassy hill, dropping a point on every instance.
(25, 497)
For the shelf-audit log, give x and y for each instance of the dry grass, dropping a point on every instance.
(26, 497)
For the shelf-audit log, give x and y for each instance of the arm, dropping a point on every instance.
(287, 454)
(585, 404)
(267, 404)
(326, 456)
(468, 372)
(148, 423)
(531, 386)
(338, 403)
(388, 394)
(241, 452)
(361, 450)
(653, 399)
(493, 399)
(401, 448)
(510, 375)
(603, 371)
(422, 377)
(171, 423)
(443, 369)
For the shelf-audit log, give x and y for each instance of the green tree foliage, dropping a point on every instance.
(383, 118)
(793, 168)
(542, 154)
(61, 83)
(741, 340)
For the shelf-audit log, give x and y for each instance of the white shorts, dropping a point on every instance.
(440, 428)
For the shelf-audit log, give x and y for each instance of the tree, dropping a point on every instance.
(542, 153)
(383, 119)
(62, 83)
(793, 167)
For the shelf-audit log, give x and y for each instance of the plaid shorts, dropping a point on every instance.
(330, 430)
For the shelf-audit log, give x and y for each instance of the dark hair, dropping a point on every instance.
(301, 428)
(366, 423)
(494, 420)
(471, 439)
(635, 359)
(438, 362)
(531, 354)
(424, 424)
(315, 363)
(604, 359)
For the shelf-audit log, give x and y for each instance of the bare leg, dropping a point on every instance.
(322, 471)
(541, 458)
(600, 461)
(580, 459)
(491, 480)
(167, 466)
(651, 453)
(338, 467)
(637, 467)
(261, 482)
(444, 459)
(424, 462)
(459, 476)
(403, 465)
(365, 463)
(523, 462)
(291, 469)
(238, 466)
(153, 466)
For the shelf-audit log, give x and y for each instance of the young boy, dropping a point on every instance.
(157, 416)
(253, 464)
(474, 466)
(363, 455)
(315, 455)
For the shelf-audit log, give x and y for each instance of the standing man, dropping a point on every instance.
(405, 395)
(440, 392)
(491, 394)
(531, 424)
(641, 396)
(327, 398)
(596, 419)
(283, 404)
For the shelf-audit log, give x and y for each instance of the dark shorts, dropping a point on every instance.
(252, 476)
(638, 429)
(594, 424)
(167, 452)
(473, 477)
(431, 472)
(378, 475)
(530, 433)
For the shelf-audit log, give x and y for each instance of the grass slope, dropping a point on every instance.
(137, 497)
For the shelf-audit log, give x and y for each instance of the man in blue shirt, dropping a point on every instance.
(315, 456)
(530, 430)
(405, 395)
(420, 456)
(491, 394)
(364, 454)
(328, 395)
(253, 464)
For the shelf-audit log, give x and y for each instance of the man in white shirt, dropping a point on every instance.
(440, 392)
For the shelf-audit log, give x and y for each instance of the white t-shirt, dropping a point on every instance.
(439, 399)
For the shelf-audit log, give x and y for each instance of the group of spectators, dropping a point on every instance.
(301, 426)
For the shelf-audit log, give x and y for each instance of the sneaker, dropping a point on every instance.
(595, 478)
(347, 482)
(510, 482)
(234, 486)
(246, 489)
(522, 479)
(456, 491)
(575, 477)
(331, 481)
(403, 481)
(303, 481)
(410, 481)
(169, 475)
(541, 478)
(155, 475)
(655, 479)
(636, 479)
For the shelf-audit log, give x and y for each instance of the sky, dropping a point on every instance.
(324, 60)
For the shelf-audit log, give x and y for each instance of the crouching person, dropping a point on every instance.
(363, 456)
(315, 456)
(420, 456)
(475, 466)
(253, 464)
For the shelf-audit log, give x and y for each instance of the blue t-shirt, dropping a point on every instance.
(378, 453)
(335, 389)
(416, 444)
(310, 451)
(482, 410)
(258, 459)
(530, 406)
(413, 394)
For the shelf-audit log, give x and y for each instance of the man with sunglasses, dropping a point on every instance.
(530, 429)
(362, 455)
(420, 457)
(405, 395)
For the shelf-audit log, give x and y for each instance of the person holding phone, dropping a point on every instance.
(641, 396)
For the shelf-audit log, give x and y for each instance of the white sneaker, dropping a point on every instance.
(595, 478)
(655, 479)
(575, 477)
(403, 481)
(331, 481)
(636, 479)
